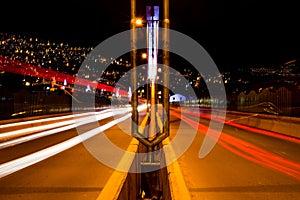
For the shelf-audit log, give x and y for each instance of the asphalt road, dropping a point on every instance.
(242, 165)
(72, 174)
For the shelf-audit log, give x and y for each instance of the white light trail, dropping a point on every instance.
(35, 136)
(26, 161)
(48, 119)
(21, 163)
(69, 125)
(20, 132)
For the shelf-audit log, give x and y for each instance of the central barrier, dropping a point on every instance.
(165, 183)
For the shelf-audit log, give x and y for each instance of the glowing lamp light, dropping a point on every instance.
(139, 21)
(144, 55)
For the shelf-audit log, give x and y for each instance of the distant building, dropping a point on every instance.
(177, 98)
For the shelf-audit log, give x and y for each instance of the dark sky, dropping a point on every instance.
(236, 33)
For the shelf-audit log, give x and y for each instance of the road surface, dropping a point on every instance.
(244, 164)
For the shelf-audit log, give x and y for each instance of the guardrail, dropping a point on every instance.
(280, 124)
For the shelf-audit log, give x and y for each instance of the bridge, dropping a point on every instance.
(44, 157)
(128, 148)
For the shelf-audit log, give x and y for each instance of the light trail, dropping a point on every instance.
(247, 150)
(30, 130)
(26, 161)
(14, 142)
(46, 119)
(68, 125)
(245, 127)
(18, 67)
(26, 131)
(263, 157)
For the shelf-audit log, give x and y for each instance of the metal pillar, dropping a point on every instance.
(133, 54)
(166, 63)
(153, 139)
(152, 16)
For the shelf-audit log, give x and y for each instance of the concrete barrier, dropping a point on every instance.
(120, 184)
(125, 186)
(178, 188)
(279, 124)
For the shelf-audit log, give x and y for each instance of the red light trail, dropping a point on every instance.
(18, 67)
(245, 127)
(247, 150)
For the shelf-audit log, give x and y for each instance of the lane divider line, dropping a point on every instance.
(113, 187)
(177, 185)
(178, 188)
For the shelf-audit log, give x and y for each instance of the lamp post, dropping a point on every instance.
(152, 139)
(133, 53)
(152, 16)
(166, 62)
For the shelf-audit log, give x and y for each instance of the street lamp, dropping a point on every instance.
(144, 55)
(152, 20)
(139, 22)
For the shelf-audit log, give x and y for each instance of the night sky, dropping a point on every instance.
(236, 33)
